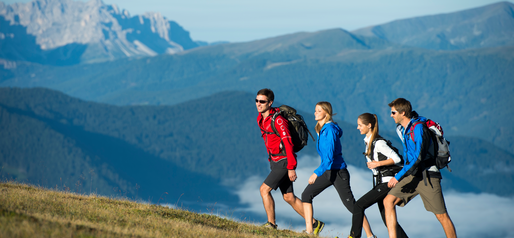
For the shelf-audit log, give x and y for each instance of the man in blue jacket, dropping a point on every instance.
(410, 182)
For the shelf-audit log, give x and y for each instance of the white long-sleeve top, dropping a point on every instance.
(382, 147)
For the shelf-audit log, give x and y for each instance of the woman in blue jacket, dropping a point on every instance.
(332, 170)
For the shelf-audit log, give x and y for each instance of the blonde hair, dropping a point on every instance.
(327, 107)
(366, 119)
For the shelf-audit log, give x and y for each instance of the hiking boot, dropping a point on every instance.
(269, 225)
(317, 227)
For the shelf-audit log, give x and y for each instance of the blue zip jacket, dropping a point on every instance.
(329, 148)
(413, 151)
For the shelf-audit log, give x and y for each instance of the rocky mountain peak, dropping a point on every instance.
(109, 32)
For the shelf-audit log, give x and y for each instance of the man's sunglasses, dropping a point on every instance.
(261, 101)
(394, 112)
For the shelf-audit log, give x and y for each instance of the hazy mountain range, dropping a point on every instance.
(488, 26)
(193, 149)
(190, 109)
(467, 91)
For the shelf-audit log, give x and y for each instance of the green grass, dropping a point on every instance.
(29, 211)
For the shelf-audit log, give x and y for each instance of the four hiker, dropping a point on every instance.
(392, 185)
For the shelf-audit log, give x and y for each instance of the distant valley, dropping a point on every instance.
(131, 105)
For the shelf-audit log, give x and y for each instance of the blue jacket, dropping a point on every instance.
(329, 148)
(414, 152)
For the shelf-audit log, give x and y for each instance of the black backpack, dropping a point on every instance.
(390, 170)
(297, 128)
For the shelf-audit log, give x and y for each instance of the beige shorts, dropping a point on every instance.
(431, 194)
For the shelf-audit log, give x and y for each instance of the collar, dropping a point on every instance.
(366, 139)
(272, 111)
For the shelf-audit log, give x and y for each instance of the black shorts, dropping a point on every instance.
(279, 178)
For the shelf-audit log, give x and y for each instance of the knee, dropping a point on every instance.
(306, 198)
(389, 202)
(265, 190)
(358, 208)
(289, 198)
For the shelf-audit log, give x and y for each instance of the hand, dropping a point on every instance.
(373, 164)
(392, 183)
(313, 178)
(292, 175)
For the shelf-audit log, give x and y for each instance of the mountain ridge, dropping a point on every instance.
(431, 80)
(152, 146)
(104, 32)
(487, 26)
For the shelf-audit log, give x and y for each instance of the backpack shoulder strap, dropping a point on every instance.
(273, 118)
(411, 131)
(283, 150)
(373, 146)
(273, 123)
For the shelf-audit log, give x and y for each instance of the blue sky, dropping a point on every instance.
(243, 20)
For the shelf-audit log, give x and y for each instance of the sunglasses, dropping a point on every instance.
(261, 101)
(394, 112)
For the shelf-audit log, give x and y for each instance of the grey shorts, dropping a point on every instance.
(279, 177)
(431, 194)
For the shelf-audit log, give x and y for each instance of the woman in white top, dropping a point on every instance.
(384, 162)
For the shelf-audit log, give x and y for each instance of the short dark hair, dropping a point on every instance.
(268, 93)
(402, 105)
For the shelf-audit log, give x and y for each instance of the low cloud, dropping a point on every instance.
(474, 215)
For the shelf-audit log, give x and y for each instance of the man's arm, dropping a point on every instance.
(413, 154)
(283, 130)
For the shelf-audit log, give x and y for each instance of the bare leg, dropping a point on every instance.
(390, 202)
(367, 227)
(295, 202)
(446, 222)
(268, 202)
(297, 205)
(307, 208)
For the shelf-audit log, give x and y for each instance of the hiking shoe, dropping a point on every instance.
(269, 225)
(317, 227)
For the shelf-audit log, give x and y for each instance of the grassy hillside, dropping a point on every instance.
(28, 211)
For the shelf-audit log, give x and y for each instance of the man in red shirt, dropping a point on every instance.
(281, 157)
